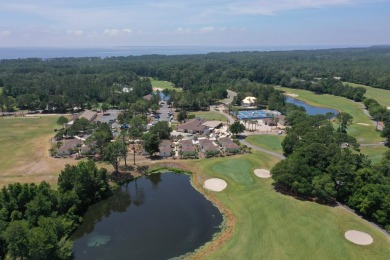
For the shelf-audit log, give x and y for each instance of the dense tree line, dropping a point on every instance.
(327, 86)
(63, 83)
(36, 220)
(324, 164)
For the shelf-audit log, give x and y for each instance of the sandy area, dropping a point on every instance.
(358, 237)
(292, 95)
(262, 173)
(388, 108)
(363, 124)
(215, 184)
(159, 89)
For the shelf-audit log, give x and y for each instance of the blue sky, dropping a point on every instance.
(106, 23)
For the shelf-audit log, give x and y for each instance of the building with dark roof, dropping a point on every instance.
(193, 126)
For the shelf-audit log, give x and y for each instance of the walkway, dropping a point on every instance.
(263, 150)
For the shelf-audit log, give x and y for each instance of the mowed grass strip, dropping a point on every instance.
(24, 155)
(270, 142)
(209, 115)
(164, 85)
(380, 95)
(365, 134)
(270, 225)
(374, 153)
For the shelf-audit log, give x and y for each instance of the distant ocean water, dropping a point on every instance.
(45, 53)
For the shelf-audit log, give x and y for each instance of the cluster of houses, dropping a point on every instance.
(76, 145)
(198, 148)
(190, 148)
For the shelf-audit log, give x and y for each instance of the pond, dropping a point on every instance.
(163, 97)
(158, 216)
(311, 110)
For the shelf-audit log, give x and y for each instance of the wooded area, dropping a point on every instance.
(36, 220)
(63, 83)
(324, 164)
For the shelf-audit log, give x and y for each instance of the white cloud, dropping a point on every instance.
(5, 33)
(207, 29)
(270, 7)
(127, 30)
(180, 30)
(76, 32)
(111, 32)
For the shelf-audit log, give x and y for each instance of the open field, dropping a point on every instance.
(365, 134)
(374, 153)
(163, 85)
(24, 145)
(380, 95)
(209, 115)
(269, 225)
(269, 142)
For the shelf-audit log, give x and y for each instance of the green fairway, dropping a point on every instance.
(209, 115)
(374, 153)
(362, 128)
(269, 225)
(380, 95)
(269, 142)
(163, 84)
(229, 169)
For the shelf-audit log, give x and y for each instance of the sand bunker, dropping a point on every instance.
(215, 184)
(262, 173)
(388, 108)
(358, 237)
(363, 124)
(292, 95)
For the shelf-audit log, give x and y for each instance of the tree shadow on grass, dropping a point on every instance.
(288, 192)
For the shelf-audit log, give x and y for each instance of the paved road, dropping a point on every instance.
(371, 223)
(163, 112)
(375, 123)
(263, 150)
(231, 95)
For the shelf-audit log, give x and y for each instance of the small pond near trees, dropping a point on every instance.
(158, 216)
(311, 110)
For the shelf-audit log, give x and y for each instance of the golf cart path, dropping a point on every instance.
(263, 150)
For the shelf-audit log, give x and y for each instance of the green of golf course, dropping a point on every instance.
(362, 128)
(270, 225)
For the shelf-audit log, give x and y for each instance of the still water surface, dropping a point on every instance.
(156, 217)
(311, 110)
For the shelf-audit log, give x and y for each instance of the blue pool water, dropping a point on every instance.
(253, 114)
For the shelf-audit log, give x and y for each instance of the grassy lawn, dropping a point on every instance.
(374, 153)
(364, 134)
(269, 142)
(24, 145)
(163, 84)
(380, 95)
(269, 225)
(209, 115)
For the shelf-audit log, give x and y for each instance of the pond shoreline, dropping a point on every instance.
(229, 220)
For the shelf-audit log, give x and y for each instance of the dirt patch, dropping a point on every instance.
(292, 95)
(358, 237)
(40, 166)
(263, 173)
